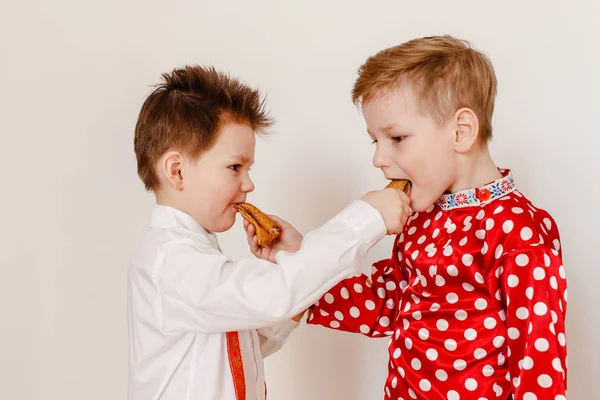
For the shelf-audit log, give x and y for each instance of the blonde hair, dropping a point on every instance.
(446, 74)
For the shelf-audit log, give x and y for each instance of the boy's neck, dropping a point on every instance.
(475, 170)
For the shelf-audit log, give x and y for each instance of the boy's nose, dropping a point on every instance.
(380, 160)
(248, 185)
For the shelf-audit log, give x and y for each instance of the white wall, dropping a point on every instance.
(74, 76)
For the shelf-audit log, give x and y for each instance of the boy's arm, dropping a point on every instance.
(534, 288)
(362, 304)
(209, 293)
(273, 337)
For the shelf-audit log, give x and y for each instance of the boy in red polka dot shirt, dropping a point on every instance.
(474, 294)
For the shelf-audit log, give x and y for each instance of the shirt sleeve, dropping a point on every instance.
(534, 290)
(362, 304)
(202, 290)
(273, 337)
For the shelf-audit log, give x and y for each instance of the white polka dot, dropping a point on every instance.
(435, 233)
(453, 395)
(501, 359)
(544, 381)
(522, 260)
(548, 223)
(334, 324)
(339, 315)
(497, 389)
(451, 298)
(441, 375)
(561, 272)
(442, 324)
(434, 307)
(448, 251)
(414, 254)
(358, 288)
(450, 344)
(479, 354)
(557, 365)
(461, 315)
(405, 324)
(484, 249)
(480, 234)
(412, 230)
(381, 293)
(498, 210)
(471, 384)
(540, 309)
(384, 321)
(526, 233)
(529, 396)
(440, 281)
(517, 210)
(539, 273)
(556, 244)
(355, 312)
(423, 333)
(452, 270)
(542, 344)
(365, 329)
(422, 239)
(395, 382)
(401, 371)
(560, 397)
(344, 293)
(489, 323)
(324, 313)
(479, 277)
(546, 260)
(513, 333)
(480, 304)
(417, 315)
(459, 365)
(415, 364)
(470, 334)
(390, 304)
(432, 354)
(498, 341)
(408, 343)
(369, 305)
(463, 241)
(397, 353)
(522, 313)
(329, 298)
(425, 385)
(529, 293)
(390, 285)
(487, 370)
(512, 280)
(467, 259)
(499, 251)
(508, 226)
(527, 363)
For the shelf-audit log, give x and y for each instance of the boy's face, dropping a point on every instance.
(220, 177)
(411, 145)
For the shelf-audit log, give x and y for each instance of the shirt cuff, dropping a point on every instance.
(366, 219)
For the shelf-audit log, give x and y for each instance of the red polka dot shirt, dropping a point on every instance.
(473, 298)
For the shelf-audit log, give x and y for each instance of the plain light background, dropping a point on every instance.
(75, 73)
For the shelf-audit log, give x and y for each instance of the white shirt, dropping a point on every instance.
(184, 295)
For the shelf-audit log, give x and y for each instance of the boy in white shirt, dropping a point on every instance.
(200, 324)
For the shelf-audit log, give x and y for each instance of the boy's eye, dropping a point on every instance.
(374, 141)
(235, 167)
(398, 139)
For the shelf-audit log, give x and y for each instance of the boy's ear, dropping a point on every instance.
(466, 129)
(171, 167)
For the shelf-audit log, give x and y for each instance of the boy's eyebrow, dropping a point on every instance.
(387, 128)
(242, 159)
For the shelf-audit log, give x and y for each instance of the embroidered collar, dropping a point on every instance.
(481, 195)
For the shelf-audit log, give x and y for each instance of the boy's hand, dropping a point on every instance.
(394, 207)
(289, 240)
